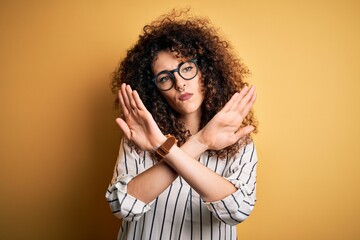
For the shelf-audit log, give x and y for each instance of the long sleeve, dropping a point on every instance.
(179, 212)
(236, 207)
(129, 164)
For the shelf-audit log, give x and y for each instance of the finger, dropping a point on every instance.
(122, 104)
(230, 103)
(244, 131)
(140, 105)
(129, 92)
(249, 105)
(125, 97)
(243, 101)
(243, 91)
(124, 127)
(249, 94)
(241, 95)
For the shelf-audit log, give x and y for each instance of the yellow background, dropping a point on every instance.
(59, 140)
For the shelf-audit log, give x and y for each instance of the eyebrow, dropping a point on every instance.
(171, 69)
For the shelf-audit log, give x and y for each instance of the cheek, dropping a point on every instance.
(169, 97)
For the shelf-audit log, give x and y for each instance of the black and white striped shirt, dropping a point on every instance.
(179, 212)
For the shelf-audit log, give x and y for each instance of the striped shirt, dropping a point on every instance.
(179, 212)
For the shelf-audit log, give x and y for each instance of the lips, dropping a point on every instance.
(185, 96)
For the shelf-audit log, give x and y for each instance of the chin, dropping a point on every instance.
(188, 111)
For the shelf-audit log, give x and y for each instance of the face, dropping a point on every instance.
(186, 96)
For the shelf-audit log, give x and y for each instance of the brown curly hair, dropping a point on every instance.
(189, 37)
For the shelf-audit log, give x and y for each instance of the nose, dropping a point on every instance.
(179, 82)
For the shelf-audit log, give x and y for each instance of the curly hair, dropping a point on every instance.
(188, 37)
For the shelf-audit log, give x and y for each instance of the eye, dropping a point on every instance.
(187, 69)
(163, 79)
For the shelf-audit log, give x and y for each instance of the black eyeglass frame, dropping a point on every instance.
(172, 76)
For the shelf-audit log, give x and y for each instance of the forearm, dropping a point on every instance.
(181, 161)
(222, 131)
(208, 184)
(160, 176)
(151, 183)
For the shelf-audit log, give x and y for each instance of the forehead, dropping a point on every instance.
(166, 60)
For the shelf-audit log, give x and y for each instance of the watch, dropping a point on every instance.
(164, 149)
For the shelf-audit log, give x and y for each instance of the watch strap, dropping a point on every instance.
(164, 149)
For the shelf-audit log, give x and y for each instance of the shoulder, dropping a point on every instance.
(248, 149)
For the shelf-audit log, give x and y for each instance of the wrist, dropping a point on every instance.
(164, 149)
(158, 142)
(200, 141)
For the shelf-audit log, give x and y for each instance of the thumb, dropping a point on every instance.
(244, 131)
(124, 127)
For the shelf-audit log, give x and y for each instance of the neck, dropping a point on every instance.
(192, 122)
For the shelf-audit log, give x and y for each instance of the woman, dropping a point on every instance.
(187, 164)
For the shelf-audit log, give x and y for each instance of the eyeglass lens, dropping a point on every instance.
(166, 79)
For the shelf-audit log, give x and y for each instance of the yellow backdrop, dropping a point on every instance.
(59, 139)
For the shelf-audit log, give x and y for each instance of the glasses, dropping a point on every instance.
(165, 80)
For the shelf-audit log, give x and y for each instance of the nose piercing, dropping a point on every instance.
(181, 89)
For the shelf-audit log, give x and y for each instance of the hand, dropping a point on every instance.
(224, 128)
(138, 126)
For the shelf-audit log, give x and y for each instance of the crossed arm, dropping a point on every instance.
(223, 130)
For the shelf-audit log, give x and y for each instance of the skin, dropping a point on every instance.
(223, 130)
(189, 110)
